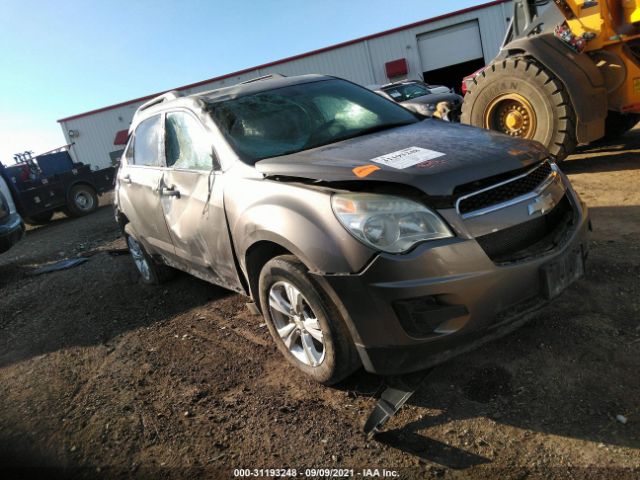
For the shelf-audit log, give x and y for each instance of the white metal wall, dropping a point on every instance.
(361, 62)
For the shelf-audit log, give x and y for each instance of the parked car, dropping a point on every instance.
(422, 98)
(365, 234)
(11, 225)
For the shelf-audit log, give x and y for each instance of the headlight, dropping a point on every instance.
(387, 223)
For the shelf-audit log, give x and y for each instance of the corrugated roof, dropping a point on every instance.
(289, 59)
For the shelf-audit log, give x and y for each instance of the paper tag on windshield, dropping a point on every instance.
(407, 158)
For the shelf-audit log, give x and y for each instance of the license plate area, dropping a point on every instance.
(558, 274)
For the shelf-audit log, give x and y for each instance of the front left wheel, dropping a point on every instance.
(307, 327)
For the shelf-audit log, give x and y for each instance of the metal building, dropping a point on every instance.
(442, 50)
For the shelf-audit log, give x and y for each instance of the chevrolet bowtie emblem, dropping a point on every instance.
(542, 204)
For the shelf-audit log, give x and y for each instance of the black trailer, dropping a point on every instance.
(53, 182)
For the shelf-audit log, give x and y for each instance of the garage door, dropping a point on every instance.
(450, 46)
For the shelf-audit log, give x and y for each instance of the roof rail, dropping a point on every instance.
(165, 97)
(263, 77)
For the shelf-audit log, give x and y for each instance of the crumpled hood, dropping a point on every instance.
(468, 154)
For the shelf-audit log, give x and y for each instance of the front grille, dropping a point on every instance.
(530, 238)
(506, 191)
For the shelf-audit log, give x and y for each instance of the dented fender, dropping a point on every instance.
(295, 217)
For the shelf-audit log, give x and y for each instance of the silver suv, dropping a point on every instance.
(365, 234)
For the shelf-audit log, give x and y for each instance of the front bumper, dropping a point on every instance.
(462, 297)
(11, 232)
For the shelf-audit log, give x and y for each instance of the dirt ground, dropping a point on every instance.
(103, 377)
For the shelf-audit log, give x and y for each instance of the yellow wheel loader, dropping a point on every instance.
(568, 73)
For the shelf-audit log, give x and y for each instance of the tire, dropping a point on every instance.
(330, 355)
(40, 219)
(536, 104)
(151, 272)
(82, 200)
(617, 124)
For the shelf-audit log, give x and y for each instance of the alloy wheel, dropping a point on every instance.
(296, 323)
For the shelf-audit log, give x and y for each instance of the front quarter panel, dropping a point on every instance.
(296, 217)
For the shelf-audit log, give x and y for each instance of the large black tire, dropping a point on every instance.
(339, 358)
(554, 121)
(617, 124)
(151, 272)
(82, 200)
(40, 218)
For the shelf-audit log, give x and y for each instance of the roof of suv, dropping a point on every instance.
(261, 85)
(174, 99)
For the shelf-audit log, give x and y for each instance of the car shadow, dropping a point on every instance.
(485, 392)
(429, 450)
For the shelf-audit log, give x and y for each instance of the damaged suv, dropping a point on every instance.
(365, 234)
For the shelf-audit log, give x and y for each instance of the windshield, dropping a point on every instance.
(299, 117)
(400, 93)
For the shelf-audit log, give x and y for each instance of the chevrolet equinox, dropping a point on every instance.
(364, 233)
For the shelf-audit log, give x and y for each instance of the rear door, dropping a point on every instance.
(192, 200)
(140, 179)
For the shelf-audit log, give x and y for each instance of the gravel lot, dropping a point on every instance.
(102, 377)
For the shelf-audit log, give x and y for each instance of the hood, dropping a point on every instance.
(447, 155)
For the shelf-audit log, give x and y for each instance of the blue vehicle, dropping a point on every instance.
(51, 182)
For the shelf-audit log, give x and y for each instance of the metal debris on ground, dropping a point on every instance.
(398, 390)
(61, 265)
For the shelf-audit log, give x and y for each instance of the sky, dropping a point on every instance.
(60, 58)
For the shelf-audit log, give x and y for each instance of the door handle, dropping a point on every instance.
(169, 192)
(126, 179)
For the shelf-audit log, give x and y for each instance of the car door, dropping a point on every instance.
(139, 178)
(192, 201)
